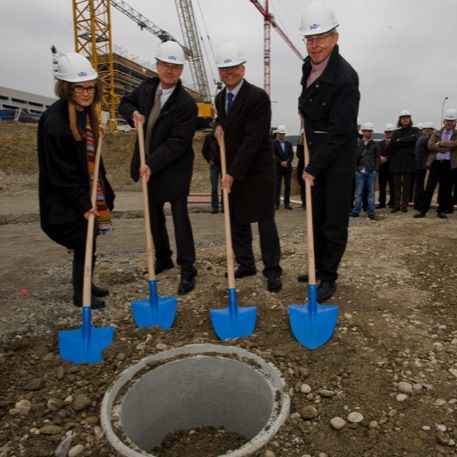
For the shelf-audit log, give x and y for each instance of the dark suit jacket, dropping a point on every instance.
(281, 156)
(171, 155)
(250, 159)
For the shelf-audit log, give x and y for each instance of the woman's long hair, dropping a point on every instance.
(64, 90)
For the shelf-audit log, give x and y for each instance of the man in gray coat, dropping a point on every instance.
(244, 115)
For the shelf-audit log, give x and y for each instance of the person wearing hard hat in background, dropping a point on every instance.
(210, 151)
(402, 163)
(244, 116)
(328, 105)
(442, 159)
(284, 154)
(365, 176)
(384, 176)
(421, 152)
(68, 133)
(169, 114)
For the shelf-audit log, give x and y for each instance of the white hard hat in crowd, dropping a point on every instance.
(75, 68)
(428, 125)
(229, 55)
(451, 114)
(405, 112)
(420, 125)
(281, 129)
(389, 128)
(367, 126)
(317, 18)
(171, 52)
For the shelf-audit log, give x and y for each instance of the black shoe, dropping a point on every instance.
(186, 285)
(276, 207)
(371, 217)
(404, 210)
(395, 210)
(163, 266)
(325, 290)
(354, 214)
(305, 277)
(214, 211)
(419, 215)
(442, 215)
(99, 291)
(95, 302)
(288, 207)
(241, 272)
(380, 205)
(274, 284)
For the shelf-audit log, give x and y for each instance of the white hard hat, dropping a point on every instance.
(420, 125)
(367, 126)
(75, 68)
(317, 18)
(404, 112)
(229, 55)
(281, 129)
(428, 125)
(389, 128)
(451, 114)
(171, 52)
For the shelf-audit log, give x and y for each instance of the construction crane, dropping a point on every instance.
(268, 21)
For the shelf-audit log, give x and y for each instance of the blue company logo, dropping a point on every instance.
(227, 60)
(172, 57)
(314, 26)
(82, 73)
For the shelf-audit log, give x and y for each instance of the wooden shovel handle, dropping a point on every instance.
(87, 284)
(146, 217)
(309, 220)
(228, 232)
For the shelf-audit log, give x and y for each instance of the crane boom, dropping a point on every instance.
(190, 33)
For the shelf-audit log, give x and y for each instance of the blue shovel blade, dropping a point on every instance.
(85, 345)
(227, 325)
(147, 313)
(313, 328)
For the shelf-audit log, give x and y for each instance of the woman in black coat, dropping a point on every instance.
(402, 160)
(67, 137)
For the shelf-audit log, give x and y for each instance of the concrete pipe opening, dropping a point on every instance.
(200, 385)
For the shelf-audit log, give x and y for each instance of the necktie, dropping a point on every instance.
(153, 116)
(229, 101)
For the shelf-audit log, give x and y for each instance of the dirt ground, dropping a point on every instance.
(393, 357)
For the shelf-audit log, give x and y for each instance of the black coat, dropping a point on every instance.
(329, 107)
(250, 159)
(64, 185)
(367, 156)
(402, 159)
(171, 155)
(421, 152)
(210, 149)
(286, 155)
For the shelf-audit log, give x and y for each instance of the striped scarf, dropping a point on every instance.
(103, 219)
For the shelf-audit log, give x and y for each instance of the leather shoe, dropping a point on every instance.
(395, 210)
(305, 277)
(214, 211)
(99, 291)
(186, 285)
(442, 216)
(95, 302)
(242, 272)
(163, 266)
(288, 207)
(274, 284)
(354, 214)
(419, 215)
(325, 290)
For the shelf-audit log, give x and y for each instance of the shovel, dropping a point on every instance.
(154, 310)
(87, 343)
(233, 321)
(312, 324)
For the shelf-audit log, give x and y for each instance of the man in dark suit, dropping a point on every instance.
(169, 114)
(328, 105)
(384, 177)
(244, 115)
(284, 154)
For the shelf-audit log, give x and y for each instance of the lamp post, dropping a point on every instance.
(442, 109)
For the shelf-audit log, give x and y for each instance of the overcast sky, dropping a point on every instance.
(403, 50)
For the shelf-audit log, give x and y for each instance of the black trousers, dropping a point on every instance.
(440, 173)
(269, 244)
(286, 174)
(184, 239)
(402, 185)
(331, 196)
(301, 183)
(384, 178)
(419, 190)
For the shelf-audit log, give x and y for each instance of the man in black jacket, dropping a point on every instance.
(170, 116)
(244, 115)
(210, 152)
(328, 105)
(283, 154)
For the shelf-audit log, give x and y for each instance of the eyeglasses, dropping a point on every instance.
(317, 38)
(80, 89)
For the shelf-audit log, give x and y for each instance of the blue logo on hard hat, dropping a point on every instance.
(82, 73)
(172, 57)
(314, 26)
(227, 60)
